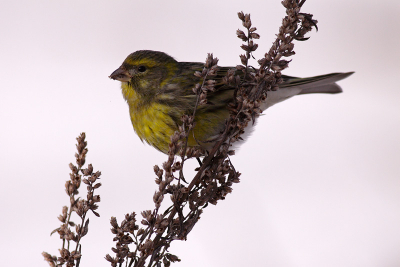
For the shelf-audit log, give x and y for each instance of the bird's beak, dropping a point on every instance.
(121, 74)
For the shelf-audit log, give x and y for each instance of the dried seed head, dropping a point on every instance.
(241, 15)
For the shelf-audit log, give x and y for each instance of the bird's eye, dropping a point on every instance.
(141, 68)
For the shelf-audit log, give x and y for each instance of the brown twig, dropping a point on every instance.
(79, 206)
(215, 176)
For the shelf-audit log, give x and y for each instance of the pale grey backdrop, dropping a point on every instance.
(321, 173)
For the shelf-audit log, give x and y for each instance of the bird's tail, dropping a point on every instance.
(317, 84)
(292, 86)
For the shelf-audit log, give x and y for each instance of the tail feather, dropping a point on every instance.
(332, 88)
(317, 81)
(296, 86)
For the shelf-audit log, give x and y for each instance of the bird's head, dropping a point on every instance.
(145, 71)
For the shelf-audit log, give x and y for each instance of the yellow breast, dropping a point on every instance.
(153, 125)
(150, 120)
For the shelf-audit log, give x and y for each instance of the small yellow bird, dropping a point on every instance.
(158, 90)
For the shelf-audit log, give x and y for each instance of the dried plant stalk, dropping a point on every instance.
(72, 256)
(216, 175)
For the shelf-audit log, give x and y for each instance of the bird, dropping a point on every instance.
(159, 91)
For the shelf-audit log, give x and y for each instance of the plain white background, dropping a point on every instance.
(321, 173)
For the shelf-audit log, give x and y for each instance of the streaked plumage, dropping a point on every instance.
(158, 90)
